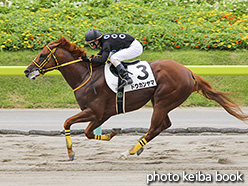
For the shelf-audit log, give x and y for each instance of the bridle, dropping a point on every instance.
(41, 66)
(43, 70)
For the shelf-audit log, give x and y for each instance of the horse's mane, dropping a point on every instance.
(71, 47)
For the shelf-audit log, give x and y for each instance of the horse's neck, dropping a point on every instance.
(75, 74)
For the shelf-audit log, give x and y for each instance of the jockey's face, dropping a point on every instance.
(95, 45)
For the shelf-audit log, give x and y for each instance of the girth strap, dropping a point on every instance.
(120, 99)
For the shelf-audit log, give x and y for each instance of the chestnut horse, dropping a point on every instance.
(175, 83)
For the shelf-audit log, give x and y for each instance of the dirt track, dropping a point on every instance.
(42, 160)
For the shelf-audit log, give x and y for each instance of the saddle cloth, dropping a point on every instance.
(142, 77)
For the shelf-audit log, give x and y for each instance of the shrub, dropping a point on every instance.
(159, 25)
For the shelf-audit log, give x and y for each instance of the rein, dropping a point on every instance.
(42, 70)
(80, 86)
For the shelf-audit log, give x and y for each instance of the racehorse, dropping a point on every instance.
(175, 83)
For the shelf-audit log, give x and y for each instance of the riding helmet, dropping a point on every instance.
(92, 35)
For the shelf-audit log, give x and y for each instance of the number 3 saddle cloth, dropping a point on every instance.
(140, 72)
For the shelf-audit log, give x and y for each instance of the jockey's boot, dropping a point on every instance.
(125, 79)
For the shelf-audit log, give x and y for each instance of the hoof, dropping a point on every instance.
(124, 155)
(72, 156)
(117, 130)
(139, 151)
(112, 134)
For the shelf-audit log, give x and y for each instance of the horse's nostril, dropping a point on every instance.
(26, 72)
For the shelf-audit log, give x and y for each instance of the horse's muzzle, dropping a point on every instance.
(31, 74)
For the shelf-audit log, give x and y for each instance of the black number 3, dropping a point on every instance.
(144, 71)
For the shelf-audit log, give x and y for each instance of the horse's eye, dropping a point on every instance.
(42, 57)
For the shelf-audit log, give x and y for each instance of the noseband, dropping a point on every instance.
(42, 70)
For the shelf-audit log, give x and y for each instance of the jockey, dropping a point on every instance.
(115, 46)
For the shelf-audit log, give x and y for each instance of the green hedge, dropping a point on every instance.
(159, 25)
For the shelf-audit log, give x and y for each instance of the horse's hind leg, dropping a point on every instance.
(160, 122)
(166, 123)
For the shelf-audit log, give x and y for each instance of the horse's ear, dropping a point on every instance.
(59, 41)
(62, 37)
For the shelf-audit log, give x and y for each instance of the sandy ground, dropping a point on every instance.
(42, 160)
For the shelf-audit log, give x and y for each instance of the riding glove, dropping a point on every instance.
(86, 58)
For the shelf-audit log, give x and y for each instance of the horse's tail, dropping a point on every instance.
(207, 91)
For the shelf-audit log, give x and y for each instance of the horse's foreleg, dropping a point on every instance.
(71, 153)
(83, 116)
